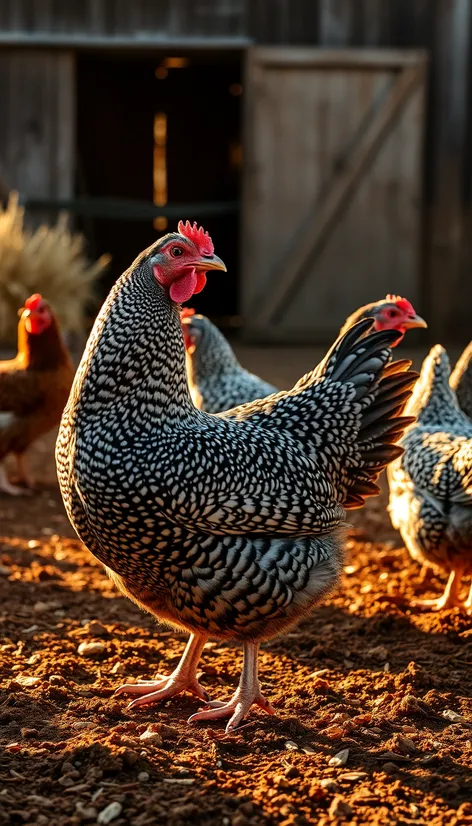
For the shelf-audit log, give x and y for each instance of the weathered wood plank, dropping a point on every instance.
(317, 226)
(336, 19)
(339, 58)
(283, 21)
(451, 99)
(37, 95)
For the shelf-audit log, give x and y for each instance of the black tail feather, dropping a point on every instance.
(383, 387)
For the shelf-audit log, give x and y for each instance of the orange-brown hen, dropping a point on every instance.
(34, 387)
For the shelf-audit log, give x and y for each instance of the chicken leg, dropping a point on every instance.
(6, 486)
(468, 603)
(183, 678)
(450, 597)
(247, 693)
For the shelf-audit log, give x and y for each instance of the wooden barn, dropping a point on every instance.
(324, 143)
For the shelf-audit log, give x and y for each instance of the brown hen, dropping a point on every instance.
(34, 387)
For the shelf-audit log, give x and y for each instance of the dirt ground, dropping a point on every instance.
(385, 689)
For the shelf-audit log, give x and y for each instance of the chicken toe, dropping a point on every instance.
(7, 487)
(183, 678)
(248, 693)
(449, 599)
(236, 709)
(468, 603)
(154, 691)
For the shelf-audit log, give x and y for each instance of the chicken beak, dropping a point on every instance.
(209, 262)
(415, 321)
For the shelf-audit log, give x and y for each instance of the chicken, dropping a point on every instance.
(431, 484)
(34, 387)
(390, 313)
(461, 381)
(227, 526)
(217, 379)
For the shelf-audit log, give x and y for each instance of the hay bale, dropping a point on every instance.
(50, 261)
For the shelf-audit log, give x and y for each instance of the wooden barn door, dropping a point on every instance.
(37, 106)
(332, 191)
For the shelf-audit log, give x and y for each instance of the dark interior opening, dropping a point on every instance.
(196, 98)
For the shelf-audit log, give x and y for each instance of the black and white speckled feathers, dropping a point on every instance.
(227, 525)
(431, 484)
(461, 381)
(216, 378)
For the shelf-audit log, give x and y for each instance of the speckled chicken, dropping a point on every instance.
(461, 381)
(216, 378)
(227, 526)
(431, 484)
(218, 381)
(390, 313)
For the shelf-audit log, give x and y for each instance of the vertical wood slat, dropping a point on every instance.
(96, 17)
(336, 22)
(448, 145)
(37, 95)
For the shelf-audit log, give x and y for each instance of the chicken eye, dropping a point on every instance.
(392, 313)
(176, 251)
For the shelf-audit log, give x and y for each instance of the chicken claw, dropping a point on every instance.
(248, 693)
(7, 487)
(184, 678)
(236, 708)
(154, 691)
(440, 604)
(449, 599)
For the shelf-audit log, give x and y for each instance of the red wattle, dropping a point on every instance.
(183, 288)
(201, 281)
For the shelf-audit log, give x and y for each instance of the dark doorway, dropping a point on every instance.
(167, 129)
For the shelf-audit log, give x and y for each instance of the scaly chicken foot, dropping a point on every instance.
(183, 678)
(7, 487)
(468, 603)
(248, 693)
(449, 599)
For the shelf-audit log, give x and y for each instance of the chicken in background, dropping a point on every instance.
(461, 381)
(390, 313)
(229, 526)
(218, 381)
(216, 378)
(431, 484)
(34, 387)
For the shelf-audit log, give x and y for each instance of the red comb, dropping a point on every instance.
(186, 312)
(33, 302)
(198, 235)
(403, 303)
